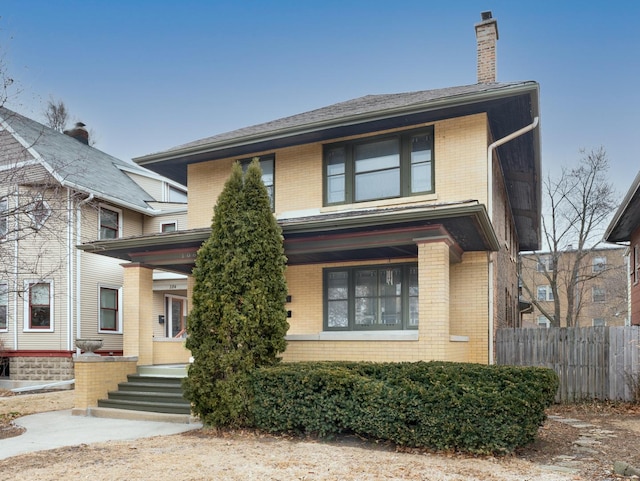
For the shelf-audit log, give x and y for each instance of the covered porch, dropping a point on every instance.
(448, 243)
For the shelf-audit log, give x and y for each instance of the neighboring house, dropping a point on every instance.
(402, 215)
(600, 296)
(58, 192)
(624, 228)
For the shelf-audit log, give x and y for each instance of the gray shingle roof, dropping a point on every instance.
(382, 104)
(80, 166)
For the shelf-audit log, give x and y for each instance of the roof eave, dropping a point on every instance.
(431, 105)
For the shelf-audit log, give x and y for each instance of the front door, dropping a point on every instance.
(176, 315)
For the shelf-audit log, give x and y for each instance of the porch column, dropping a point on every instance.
(138, 302)
(433, 282)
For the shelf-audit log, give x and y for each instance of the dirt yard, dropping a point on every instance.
(562, 452)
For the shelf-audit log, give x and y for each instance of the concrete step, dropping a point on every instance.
(111, 413)
(164, 370)
(150, 387)
(147, 396)
(174, 381)
(150, 406)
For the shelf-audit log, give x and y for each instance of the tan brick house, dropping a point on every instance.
(624, 228)
(402, 214)
(57, 191)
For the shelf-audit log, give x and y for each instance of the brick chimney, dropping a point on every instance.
(79, 133)
(486, 37)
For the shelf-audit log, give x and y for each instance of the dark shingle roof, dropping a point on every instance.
(350, 110)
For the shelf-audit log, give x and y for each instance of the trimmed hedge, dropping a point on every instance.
(443, 406)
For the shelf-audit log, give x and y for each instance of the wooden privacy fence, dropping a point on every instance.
(592, 362)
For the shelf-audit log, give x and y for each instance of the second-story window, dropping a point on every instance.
(109, 223)
(267, 164)
(379, 168)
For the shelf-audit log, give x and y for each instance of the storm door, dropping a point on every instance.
(176, 316)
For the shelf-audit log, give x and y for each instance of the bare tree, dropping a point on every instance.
(57, 115)
(578, 203)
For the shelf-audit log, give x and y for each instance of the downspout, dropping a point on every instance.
(16, 281)
(78, 265)
(70, 247)
(490, 150)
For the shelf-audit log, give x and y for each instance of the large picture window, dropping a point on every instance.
(379, 168)
(371, 298)
(39, 303)
(109, 309)
(267, 165)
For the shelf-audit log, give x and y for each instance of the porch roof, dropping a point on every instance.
(363, 234)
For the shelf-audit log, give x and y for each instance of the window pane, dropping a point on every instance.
(335, 162)
(40, 294)
(40, 316)
(177, 195)
(378, 185)
(338, 315)
(413, 297)
(109, 298)
(421, 163)
(108, 319)
(366, 311)
(421, 178)
(413, 311)
(169, 227)
(383, 154)
(366, 281)
(338, 287)
(335, 189)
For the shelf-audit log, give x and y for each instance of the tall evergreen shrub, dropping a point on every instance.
(238, 319)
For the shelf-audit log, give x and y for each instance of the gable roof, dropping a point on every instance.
(509, 107)
(79, 166)
(627, 217)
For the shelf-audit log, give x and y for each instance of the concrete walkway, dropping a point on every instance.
(58, 429)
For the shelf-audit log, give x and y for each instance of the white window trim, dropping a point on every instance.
(167, 192)
(120, 316)
(120, 219)
(168, 222)
(636, 265)
(548, 293)
(26, 320)
(5, 286)
(543, 321)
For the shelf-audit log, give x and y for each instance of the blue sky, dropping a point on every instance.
(149, 75)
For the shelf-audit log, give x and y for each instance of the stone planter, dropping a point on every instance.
(89, 346)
